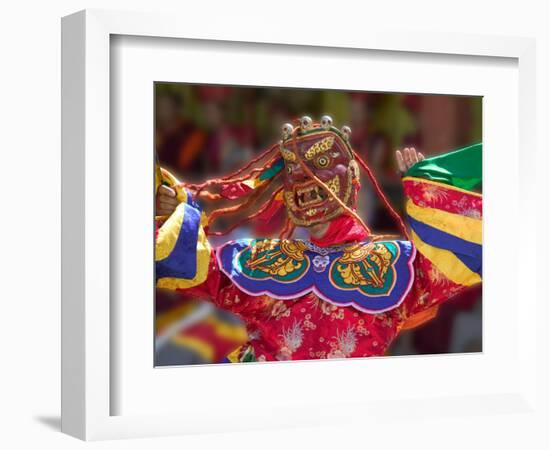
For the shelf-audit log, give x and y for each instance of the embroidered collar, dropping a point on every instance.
(370, 276)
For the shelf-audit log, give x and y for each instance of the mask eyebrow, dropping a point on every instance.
(319, 147)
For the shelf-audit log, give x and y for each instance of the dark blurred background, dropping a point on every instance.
(202, 131)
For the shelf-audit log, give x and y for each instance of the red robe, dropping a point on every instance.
(309, 327)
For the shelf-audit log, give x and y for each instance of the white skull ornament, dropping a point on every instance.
(320, 263)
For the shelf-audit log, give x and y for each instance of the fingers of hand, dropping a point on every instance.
(166, 191)
(411, 156)
(166, 208)
(414, 156)
(166, 201)
(407, 157)
(161, 198)
(166, 194)
(400, 162)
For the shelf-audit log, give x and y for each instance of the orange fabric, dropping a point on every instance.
(420, 318)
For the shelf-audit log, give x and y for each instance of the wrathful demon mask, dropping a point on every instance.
(319, 151)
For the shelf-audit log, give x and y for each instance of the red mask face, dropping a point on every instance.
(329, 157)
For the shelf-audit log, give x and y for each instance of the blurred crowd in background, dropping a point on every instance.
(204, 131)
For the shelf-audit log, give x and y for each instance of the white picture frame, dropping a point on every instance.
(88, 386)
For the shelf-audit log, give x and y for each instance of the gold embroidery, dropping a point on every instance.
(289, 198)
(319, 147)
(334, 185)
(373, 258)
(288, 155)
(279, 260)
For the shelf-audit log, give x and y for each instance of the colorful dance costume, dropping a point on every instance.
(349, 293)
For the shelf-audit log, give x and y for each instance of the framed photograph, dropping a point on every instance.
(266, 231)
(281, 270)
